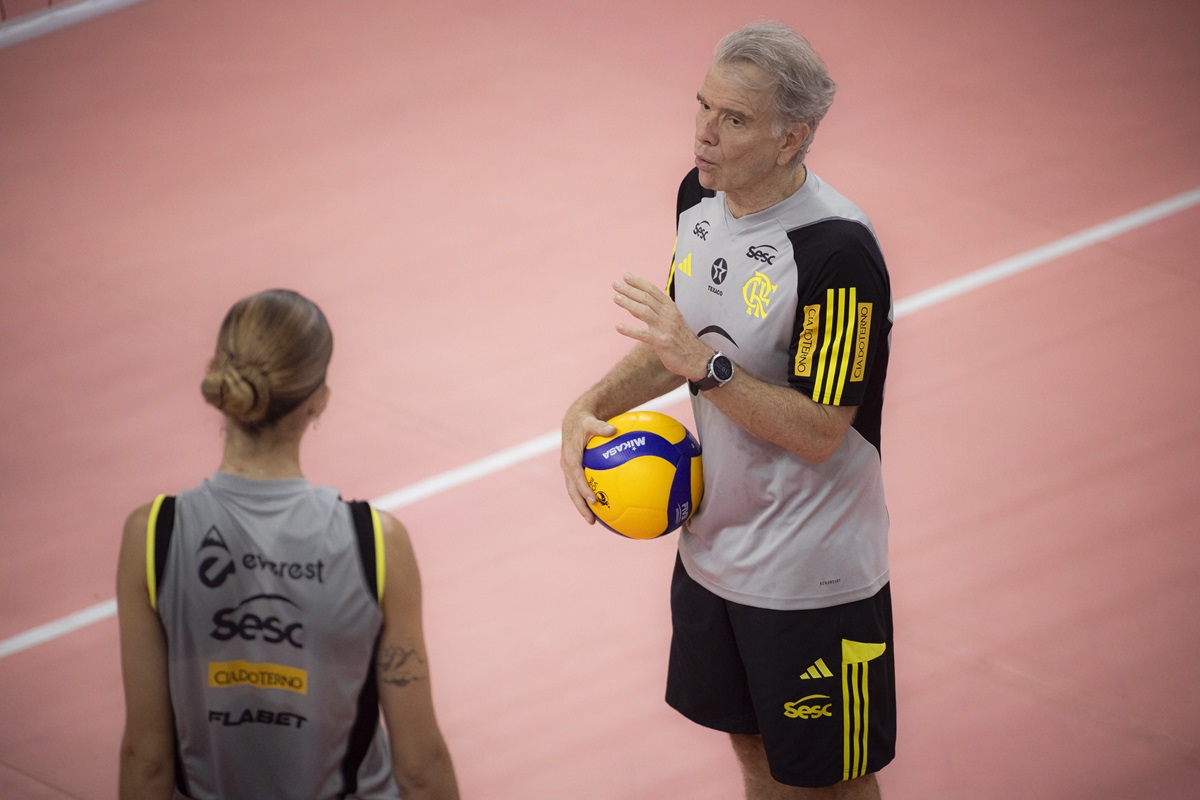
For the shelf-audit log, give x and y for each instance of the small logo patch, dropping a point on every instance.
(757, 294)
(224, 674)
(809, 707)
(817, 670)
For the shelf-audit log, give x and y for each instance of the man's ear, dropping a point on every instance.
(793, 142)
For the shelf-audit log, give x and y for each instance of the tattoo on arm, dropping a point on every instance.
(400, 666)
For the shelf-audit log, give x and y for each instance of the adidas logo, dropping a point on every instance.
(817, 670)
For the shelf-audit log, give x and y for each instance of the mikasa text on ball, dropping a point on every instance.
(647, 477)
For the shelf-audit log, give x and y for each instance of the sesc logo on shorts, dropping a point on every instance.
(809, 707)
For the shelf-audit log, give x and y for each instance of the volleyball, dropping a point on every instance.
(647, 477)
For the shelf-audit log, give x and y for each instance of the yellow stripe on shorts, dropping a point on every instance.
(856, 704)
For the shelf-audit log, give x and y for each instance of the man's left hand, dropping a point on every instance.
(666, 331)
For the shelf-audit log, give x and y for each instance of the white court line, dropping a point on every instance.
(549, 442)
(1049, 252)
(56, 18)
(60, 627)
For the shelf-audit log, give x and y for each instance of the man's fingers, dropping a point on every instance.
(572, 462)
(634, 290)
(580, 501)
(641, 284)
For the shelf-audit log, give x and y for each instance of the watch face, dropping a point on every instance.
(722, 368)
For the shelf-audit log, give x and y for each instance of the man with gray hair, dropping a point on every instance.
(777, 311)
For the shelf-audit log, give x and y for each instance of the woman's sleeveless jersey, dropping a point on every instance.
(269, 595)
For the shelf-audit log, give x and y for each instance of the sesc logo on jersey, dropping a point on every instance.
(269, 625)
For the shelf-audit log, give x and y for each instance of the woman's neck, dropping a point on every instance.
(272, 455)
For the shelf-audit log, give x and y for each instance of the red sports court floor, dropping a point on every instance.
(457, 185)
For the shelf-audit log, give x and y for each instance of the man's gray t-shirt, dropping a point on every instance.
(796, 295)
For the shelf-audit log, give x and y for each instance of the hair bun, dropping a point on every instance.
(240, 391)
(272, 353)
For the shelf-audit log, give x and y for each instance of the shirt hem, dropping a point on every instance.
(786, 603)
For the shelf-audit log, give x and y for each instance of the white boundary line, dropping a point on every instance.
(1049, 252)
(549, 442)
(57, 628)
(33, 24)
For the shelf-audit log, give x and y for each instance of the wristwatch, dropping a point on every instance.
(720, 372)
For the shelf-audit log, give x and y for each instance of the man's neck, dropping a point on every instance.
(766, 195)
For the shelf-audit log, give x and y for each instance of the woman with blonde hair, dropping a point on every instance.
(265, 621)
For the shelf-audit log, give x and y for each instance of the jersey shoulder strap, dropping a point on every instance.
(158, 543)
(368, 532)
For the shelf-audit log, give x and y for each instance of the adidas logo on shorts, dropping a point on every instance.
(817, 670)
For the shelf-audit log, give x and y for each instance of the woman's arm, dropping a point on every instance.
(420, 759)
(147, 765)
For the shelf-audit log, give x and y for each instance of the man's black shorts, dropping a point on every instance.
(819, 685)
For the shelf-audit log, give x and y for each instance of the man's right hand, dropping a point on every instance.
(578, 428)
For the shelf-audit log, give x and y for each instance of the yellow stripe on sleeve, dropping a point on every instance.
(835, 362)
(848, 346)
(151, 526)
(380, 568)
(821, 359)
(834, 356)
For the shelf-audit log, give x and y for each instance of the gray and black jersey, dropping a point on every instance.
(796, 295)
(268, 592)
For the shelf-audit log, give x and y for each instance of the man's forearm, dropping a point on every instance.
(636, 379)
(783, 416)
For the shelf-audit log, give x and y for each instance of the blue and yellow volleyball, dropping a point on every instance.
(647, 477)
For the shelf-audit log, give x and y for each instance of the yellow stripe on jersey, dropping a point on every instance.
(380, 570)
(835, 309)
(684, 266)
(151, 525)
(846, 308)
(840, 346)
(821, 359)
(856, 704)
